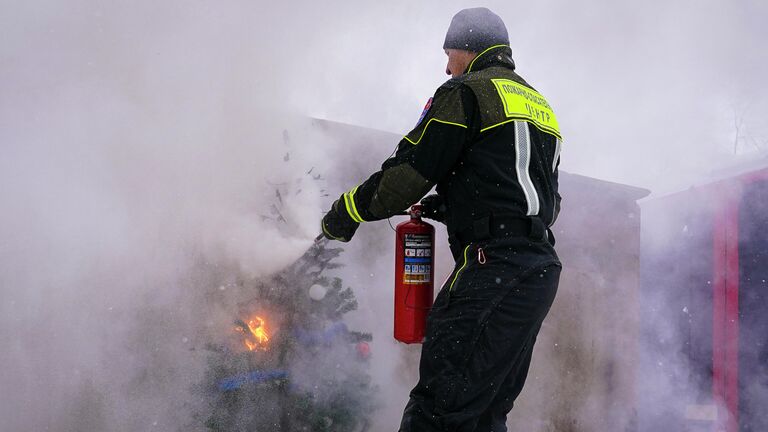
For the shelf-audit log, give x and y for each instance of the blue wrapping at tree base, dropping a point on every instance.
(255, 377)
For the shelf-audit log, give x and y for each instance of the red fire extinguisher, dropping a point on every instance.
(414, 276)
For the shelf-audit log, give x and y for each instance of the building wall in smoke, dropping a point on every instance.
(583, 372)
(704, 288)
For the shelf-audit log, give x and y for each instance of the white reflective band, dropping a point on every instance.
(523, 155)
(557, 154)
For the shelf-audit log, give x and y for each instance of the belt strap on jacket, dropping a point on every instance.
(496, 226)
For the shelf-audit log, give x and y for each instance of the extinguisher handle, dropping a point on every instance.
(416, 211)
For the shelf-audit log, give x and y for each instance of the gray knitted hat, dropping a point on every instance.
(476, 29)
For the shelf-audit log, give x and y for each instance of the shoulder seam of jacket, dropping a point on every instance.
(427, 125)
(523, 119)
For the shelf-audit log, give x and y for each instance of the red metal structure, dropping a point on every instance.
(414, 276)
(705, 265)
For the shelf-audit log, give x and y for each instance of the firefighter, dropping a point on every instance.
(490, 143)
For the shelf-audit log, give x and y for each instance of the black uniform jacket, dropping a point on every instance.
(489, 142)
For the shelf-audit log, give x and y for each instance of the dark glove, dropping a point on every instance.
(337, 224)
(433, 207)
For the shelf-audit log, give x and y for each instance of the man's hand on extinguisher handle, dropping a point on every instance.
(433, 207)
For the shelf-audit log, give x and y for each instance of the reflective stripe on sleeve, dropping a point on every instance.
(349, 203)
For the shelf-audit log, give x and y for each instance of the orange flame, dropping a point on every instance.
(258, 339)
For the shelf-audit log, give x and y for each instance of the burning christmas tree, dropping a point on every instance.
(290, 363)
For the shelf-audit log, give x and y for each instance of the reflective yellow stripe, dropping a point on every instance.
(510, 121)
(354, 207)
(524, 103)
(450, 288)
(469, 69)
(346, 205)
(349, 203)
(427, 125)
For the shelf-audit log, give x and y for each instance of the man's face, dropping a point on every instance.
(458, 61)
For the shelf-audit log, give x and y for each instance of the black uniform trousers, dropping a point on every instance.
(480, 336)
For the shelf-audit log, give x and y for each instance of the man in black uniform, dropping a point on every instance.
(491, 144)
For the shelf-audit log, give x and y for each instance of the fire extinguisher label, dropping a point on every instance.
(418, 258)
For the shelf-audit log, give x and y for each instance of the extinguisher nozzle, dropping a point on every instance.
(320, 240)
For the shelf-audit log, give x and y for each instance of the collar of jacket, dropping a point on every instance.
(497, 55)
